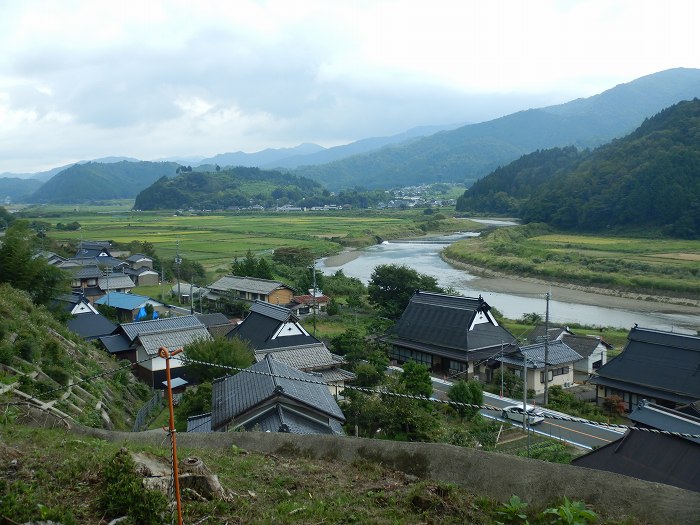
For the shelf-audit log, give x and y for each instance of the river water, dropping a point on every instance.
(424, 257)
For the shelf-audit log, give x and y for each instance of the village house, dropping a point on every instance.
(275, 330)
(273, 397)
(132, 307)
(560, 369)
(593, 349)
(451, 335)
(662, 367)
(249, 289)
(139, 342)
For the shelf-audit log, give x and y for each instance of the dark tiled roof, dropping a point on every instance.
(303, 357)
(651, 415)
(582, 344)
(653, 457)
(116, 343)
(280, 418)
(555, 332)
(444, 321)
(234, 395)
(91, 326)
(138, 257)
(559, 354)
(172, 339)
(200, 423)
(273, 311)
(86, 272)
(132, 330)
(264, 322)
(212, 319)
(665, 362)
(246, 284)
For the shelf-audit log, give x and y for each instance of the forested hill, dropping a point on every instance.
(97, 181)
(471, 152)
(235, 187)
(649, 180)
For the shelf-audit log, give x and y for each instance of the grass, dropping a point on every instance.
(638, 265)
(52, 474)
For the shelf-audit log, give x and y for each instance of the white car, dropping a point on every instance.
(515, 413)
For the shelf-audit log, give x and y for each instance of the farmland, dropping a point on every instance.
(214, 239)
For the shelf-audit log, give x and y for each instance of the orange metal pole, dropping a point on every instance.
(165, 354)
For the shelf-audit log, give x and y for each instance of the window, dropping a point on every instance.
(458, 366)
(553, 372)
(404, 354)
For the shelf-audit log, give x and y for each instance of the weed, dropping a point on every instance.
(571, 513)
(513, 512)
(124, 494)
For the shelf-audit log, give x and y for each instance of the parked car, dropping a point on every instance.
(515, 413)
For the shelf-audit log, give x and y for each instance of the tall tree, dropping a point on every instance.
(220, 351)
(23, 269)
(391, 287)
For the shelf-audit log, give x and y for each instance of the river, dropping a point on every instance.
(424, 256)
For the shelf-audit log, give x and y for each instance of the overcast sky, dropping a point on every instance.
(152, 79)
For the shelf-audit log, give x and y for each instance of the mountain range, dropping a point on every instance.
(453, 154)
(648, 180)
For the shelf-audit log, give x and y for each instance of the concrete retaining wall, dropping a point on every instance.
(488, 474)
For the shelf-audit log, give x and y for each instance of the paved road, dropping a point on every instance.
(582, 435)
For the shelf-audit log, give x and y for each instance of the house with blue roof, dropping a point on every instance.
(132, 307)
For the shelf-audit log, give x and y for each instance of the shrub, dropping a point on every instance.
(124, 494)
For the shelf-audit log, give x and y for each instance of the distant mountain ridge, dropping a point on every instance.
(649, 180)
(94, 181)
(470, 152)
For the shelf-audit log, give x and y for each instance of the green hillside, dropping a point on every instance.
(40, 357)
(471, 152)
(649, 180)
(227, 188)
(96, 181)
(17, 189)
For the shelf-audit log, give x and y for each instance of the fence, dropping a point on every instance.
(144, 413)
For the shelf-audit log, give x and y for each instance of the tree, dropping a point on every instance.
(416, 379)
(469, 392)
(391, 287)
(220, 351)
(20, 268)
(194, 401)
(251, 266)
(512, 384)
(614, 405)
(293, 256)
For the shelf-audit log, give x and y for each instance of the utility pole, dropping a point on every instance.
(191, 298)
(177, 268)
(546, 351)
(525, 415)
(313, 268)
(501, 369)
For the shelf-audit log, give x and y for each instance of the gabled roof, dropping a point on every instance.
(246, 284)
(138, 257)
(651, 415)
(559, 354)
(313, 356)
(214, 319)
(172, 339)
(200, 423)
(116, 343)
(91, 271)
(311, 300)
(115, 281)
(91, 326)
(140, 271)
(444, 321)
(133, 330)
(583, 344)
(649, 456)
(265, 321)
(555, 332)
(123, 301)
(656, 364)
(232, 396)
